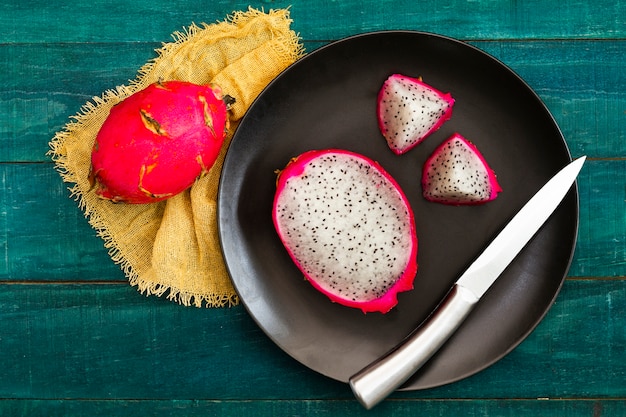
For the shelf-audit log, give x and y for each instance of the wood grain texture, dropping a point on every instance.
(44, 235)
(46, 84)
(582, 83)
(108, 342)
(261, 408)
(602, 215)
(39, 21)
(77, 340)
(67, 249)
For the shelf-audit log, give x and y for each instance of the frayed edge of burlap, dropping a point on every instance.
(293, 50)
(185, 298)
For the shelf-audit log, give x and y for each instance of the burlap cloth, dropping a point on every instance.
(172, 248)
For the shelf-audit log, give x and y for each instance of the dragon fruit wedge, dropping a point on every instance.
(155, 143)
(409, 110)
(348, 226)
(456, 173)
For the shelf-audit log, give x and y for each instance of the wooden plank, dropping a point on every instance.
(583, 83)
(571, 354)
(43, 234)
(601, 245)
(38, 21)
(94, 346)
(35, 207)
(108, 342)
(46, 84)
(260, 408)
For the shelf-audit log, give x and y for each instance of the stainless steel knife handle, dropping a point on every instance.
(379, 379)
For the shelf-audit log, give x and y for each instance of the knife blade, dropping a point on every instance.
(379, 379)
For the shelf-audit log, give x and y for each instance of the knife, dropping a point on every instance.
(379, 379)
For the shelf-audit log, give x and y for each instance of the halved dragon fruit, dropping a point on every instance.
(155, 143)
(348, 226)
(457, 173)
(409, 110)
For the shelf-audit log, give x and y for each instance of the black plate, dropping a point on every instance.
(328, 99)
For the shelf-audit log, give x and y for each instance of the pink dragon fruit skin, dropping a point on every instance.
(348, 227)
(456, 173)
(155, 143)
(409, 110)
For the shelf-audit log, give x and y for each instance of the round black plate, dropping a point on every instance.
(328, 99)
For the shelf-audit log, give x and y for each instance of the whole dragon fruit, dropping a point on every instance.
(409, 110)
(348, 226)
(155, 143)
(456, 173)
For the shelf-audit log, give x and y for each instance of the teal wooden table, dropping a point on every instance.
(77, 340)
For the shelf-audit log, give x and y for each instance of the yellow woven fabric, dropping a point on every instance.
(171, 248)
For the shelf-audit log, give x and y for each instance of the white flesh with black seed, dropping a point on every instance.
(346, 225)
(457, 173)
(409, 110)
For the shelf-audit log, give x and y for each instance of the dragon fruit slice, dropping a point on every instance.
(155, 143)
(409, 110)
(456, 173)
(348, 226)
